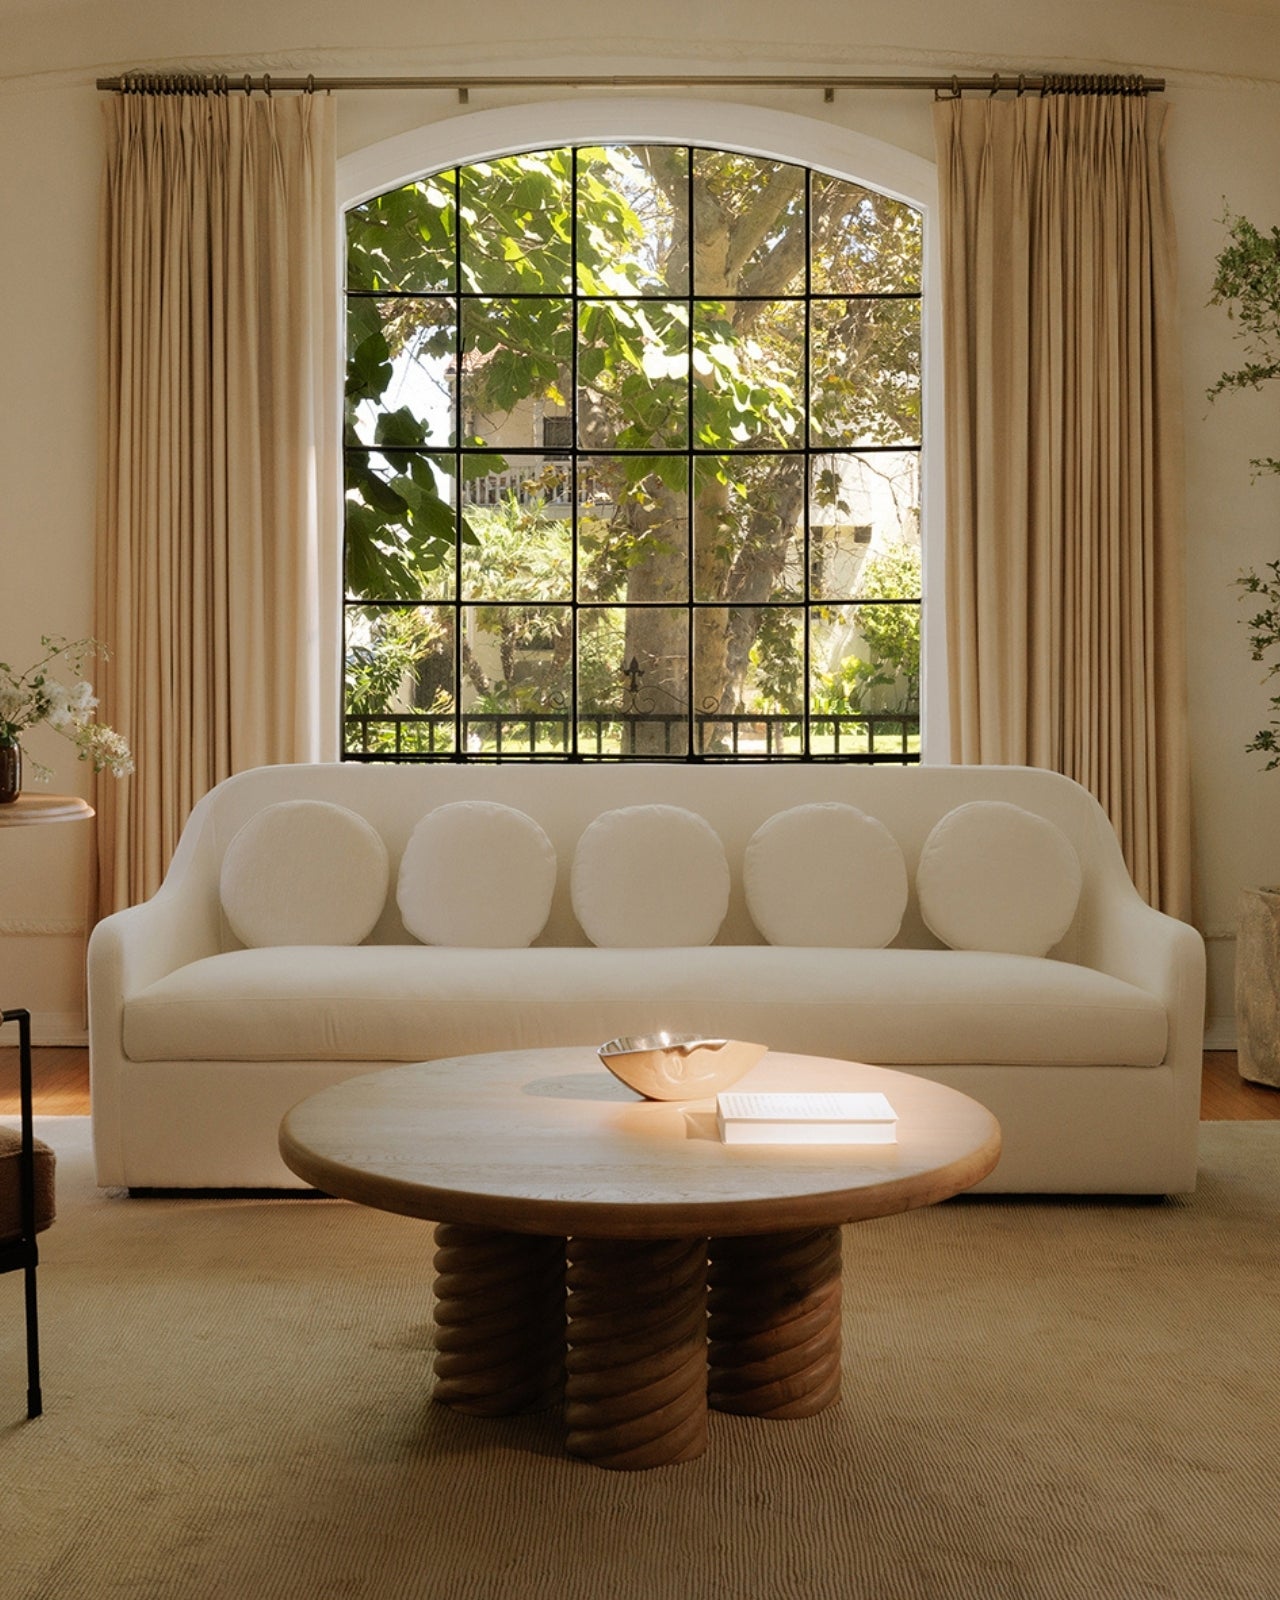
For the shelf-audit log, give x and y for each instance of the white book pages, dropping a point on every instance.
(806, 1119)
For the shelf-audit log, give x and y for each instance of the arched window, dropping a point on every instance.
(633, 460)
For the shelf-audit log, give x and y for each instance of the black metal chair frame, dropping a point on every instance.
(22, 1252)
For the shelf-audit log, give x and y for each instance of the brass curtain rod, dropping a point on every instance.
(944, 88)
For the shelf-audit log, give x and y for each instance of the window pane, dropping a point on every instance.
(524, 545)
(400, 356)
(863, 242)
(633, 679)
(404, 240)
(865, 372)
(633, 220)
(516, 359)
(633, 528)
(860, 504)
(516, 224)
(865, 659)
(517, 664)
(749, 365)
(399, 679)
(748, 528)
(749, 228)
(633, 366)
(400, 527)
(749, 677)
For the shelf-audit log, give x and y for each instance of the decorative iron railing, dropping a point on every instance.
(865, 736)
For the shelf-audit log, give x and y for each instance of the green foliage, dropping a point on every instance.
(403, 241)
(891, 634)
(1264, 636)
(1247, 282)
(844, 690)
(396, 640)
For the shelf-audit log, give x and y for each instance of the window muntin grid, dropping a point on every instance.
(719, 553)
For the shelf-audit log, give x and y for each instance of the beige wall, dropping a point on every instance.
(1223, 67)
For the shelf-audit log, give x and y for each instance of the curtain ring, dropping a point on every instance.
(266, 84)
(248, 84)
(1022, 84)
(995, 84)
(311, 83)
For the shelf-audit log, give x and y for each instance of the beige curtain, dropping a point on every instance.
(1065, 603)
(218, 372)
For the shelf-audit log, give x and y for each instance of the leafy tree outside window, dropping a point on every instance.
(633, 446)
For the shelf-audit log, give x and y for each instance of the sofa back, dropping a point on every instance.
(565, 799)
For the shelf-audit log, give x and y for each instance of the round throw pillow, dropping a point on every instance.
(995, 877)
(645, 877)
(304, 872)
(825, 874)
(478, 874)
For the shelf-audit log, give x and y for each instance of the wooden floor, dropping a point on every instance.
(61, 1076)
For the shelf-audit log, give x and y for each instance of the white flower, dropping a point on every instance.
(58, 713)
(105, 748)
(34, 696)
(14, 706)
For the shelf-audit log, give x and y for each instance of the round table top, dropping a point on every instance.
(28, 808)
(549, 1142)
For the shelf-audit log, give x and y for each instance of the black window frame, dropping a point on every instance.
(898, 731)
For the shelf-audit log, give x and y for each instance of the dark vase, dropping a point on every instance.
(10, 773)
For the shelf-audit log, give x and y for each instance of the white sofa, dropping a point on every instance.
(1090, 1056)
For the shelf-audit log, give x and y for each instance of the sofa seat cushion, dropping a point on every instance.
(376, 1003)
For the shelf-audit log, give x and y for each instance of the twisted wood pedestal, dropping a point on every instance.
(628, 1349)
(611, 1253)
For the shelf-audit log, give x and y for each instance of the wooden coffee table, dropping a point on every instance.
(697, 1273)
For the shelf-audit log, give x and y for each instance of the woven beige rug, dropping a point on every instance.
(1041, 1399)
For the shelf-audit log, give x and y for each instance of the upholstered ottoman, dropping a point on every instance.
(11, 1188)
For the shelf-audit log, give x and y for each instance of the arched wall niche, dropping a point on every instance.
(751, 130)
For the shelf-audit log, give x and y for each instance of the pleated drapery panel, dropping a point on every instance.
(217, 503)
(1065, 500)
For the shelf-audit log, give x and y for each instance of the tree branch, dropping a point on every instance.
(754, 224)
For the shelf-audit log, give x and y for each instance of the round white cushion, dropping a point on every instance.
(995, 877)
(825, 874)
(645, 877)
(479, 874)
(304, 872)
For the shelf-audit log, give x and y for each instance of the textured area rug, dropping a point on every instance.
(1042, 1398)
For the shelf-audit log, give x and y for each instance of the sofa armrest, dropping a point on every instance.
(128, 951)
(1123, 936)
(133, 948)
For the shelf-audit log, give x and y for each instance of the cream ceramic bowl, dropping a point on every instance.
(678, 1066)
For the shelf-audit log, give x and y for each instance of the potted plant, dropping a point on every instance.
(1247, 282)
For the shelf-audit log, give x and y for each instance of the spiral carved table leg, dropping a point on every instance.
(637, 1367)
(775, 1323)
(499, 1320)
